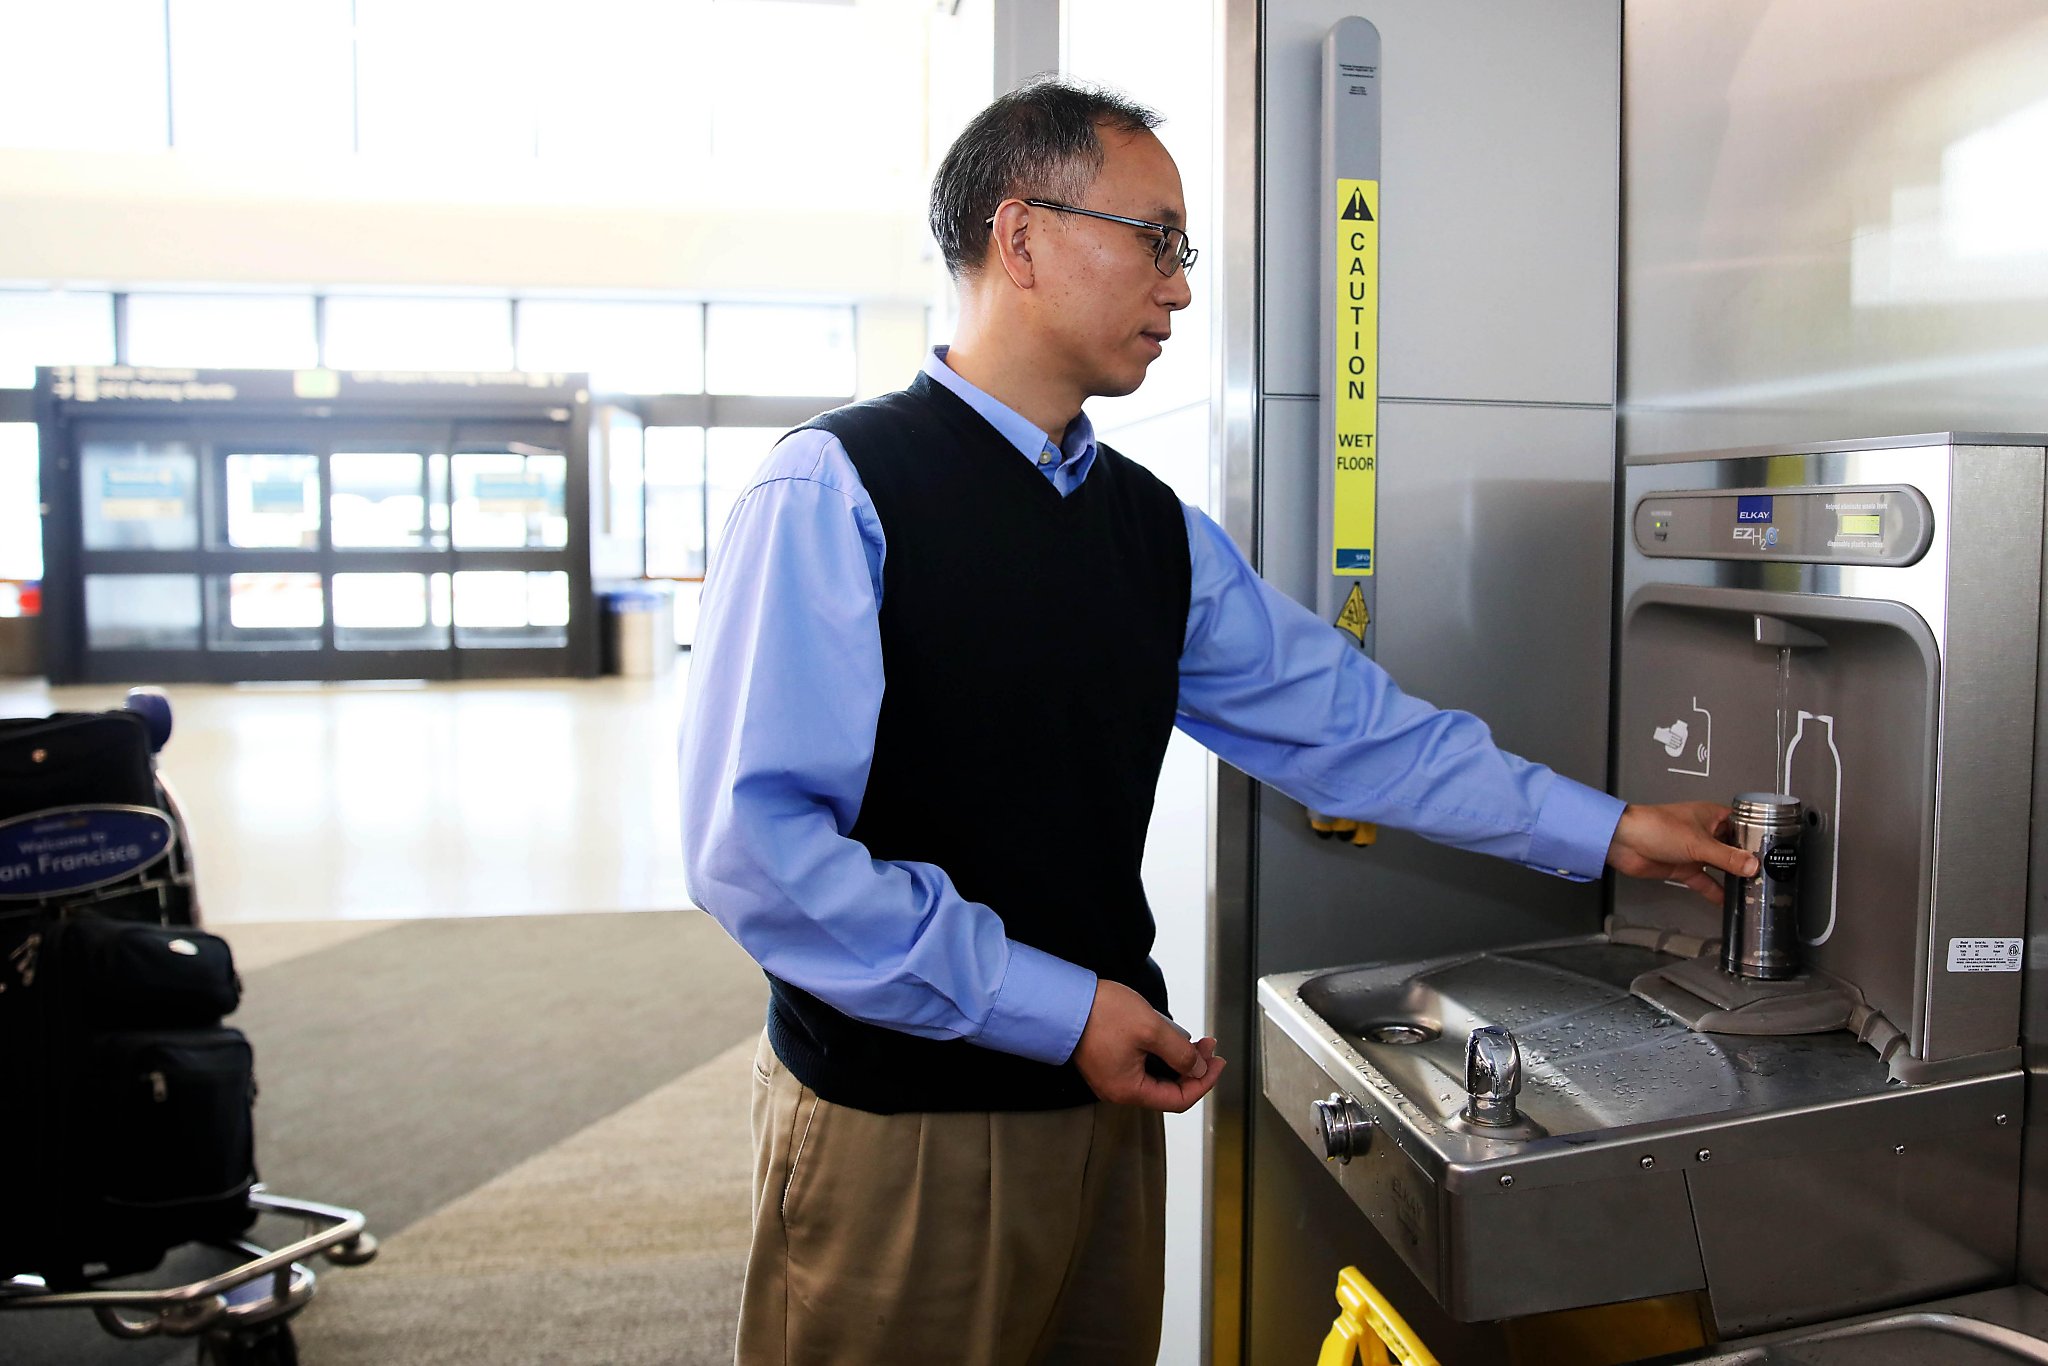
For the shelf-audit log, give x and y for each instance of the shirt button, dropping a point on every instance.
(1045, 457)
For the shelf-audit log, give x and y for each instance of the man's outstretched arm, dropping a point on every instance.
(1290, 700)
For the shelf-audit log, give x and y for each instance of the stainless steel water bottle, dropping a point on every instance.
(1760, 915)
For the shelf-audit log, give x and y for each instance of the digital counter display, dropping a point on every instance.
(1861, 524)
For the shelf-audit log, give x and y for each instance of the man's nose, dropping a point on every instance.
(1175, 292)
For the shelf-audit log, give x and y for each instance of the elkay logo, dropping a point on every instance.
(1753, 521)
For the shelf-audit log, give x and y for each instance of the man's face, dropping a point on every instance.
(1107, 304)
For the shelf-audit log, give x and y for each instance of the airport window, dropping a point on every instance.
(510, 499)
(619, 483)
(831, 61)
(273, 501)
(259, 76)
(629, 85)
(46, 327)
(222, 331)
(84, 75)
(139, 495)
(619, 81)
(387, 499)
(732, 456)
(778, 349)
(391, 611)
(374, 333)
(675, 502)
(21, 526)
(284, 608)
(762, 364)
(142, 611)
(451, 79)
(626, 347)
(510, 607)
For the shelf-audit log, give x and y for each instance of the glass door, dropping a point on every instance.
(229, 550)
(388, 522)
(139, 516)
(510, 510)
(263, 585)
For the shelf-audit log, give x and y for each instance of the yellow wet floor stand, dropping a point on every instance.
(1371, 1331)
(1360, 833)
(1368, 1329)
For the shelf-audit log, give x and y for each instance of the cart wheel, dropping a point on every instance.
(267, 1344)
(357, 1251)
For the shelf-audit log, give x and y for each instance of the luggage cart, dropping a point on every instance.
(240, 1312)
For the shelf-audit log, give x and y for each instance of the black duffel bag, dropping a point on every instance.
(135, 974)
(134, 1130)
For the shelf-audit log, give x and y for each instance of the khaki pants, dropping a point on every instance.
(951, 1239)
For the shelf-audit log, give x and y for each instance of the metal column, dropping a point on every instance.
(1492, 535)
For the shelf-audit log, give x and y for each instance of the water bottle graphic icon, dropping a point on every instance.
(1814, 773)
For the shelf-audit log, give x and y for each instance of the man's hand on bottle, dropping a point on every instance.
(1678, 842)
(1123, 1031)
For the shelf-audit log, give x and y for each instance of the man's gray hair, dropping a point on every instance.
(1037, 142)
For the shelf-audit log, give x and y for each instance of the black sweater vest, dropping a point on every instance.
(1030, 657)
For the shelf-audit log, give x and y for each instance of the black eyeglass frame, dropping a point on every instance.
(1184, 258)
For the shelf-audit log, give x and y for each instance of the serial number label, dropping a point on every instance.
(1985, 955)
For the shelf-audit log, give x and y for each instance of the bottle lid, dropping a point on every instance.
(1768, 808)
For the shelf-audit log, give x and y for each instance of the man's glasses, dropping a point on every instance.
(1170, 253)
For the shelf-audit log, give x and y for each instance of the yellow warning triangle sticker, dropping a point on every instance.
(1353, 617)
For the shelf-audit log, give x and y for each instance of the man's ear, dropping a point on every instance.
(1011, 240)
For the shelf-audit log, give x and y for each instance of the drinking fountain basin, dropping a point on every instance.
(1594, 1057)
(1643, 1158)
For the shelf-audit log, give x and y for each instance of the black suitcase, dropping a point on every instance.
(126, 1125)
(73, 762)
(75, 758)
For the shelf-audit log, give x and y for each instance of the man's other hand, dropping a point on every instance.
(1678, 842)
(1123, 1030)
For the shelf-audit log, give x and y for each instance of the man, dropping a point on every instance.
(940, 654)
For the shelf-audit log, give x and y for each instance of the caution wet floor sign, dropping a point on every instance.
(1356, 382)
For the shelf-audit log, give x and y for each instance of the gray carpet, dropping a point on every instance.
(544, 1119)
(625, 1244)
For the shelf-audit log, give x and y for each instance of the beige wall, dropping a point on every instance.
(888, 341)
(154, 218)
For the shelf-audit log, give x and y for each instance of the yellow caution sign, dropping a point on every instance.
(1354, 617)
(1357, 381)
(1369, 1328)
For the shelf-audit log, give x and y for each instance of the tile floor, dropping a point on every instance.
(352, 802)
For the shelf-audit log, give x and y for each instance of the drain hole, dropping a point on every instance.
(1398, 1033)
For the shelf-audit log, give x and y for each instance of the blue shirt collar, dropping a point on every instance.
(1076, 448)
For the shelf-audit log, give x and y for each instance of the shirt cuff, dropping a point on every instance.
(1041, 1007)
(1574, 830)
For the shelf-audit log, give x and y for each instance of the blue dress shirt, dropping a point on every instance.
(778, 734)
